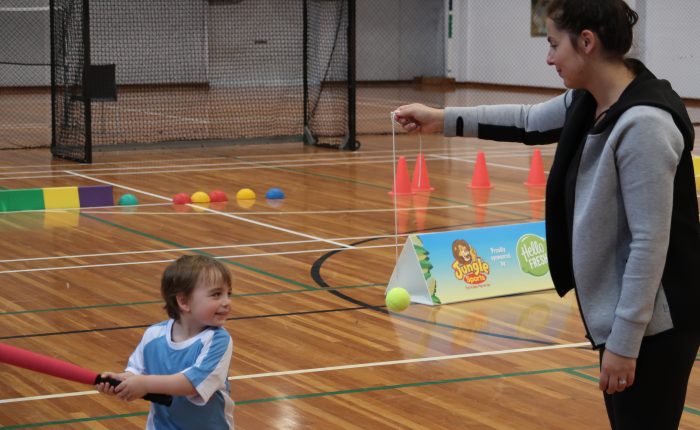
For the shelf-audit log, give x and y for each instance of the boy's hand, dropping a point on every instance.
(132, 388)
(107, 388)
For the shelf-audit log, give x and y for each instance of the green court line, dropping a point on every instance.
(73, 421)
(587, 377)
(323, 394)
(407, 385)
(151, 302)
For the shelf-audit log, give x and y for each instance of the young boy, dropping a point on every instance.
(188, 355)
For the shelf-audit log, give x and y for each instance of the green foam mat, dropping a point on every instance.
(21, 200)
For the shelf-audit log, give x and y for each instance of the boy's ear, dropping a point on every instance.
(183, 303)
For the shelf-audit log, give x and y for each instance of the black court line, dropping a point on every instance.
(316, 276)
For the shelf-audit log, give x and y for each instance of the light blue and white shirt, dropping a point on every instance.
(204, 359)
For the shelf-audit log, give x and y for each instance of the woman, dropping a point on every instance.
(621, 208)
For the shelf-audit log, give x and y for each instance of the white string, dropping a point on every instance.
(396, 214)
(420, 153)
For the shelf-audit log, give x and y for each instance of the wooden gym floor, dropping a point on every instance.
(314, 346)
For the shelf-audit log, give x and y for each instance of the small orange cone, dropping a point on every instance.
(421, 182)
(536, 176)
(480, 177)
(402, 185)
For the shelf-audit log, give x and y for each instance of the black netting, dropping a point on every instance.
(327, 76)
(184, 70)
(70, 122)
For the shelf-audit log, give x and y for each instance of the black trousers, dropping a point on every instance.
(655, 401)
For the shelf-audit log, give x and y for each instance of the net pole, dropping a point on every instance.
(308, 138)
(52, 42)
(351, 142)
(87, 97)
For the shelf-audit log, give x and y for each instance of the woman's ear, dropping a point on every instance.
(587, 40)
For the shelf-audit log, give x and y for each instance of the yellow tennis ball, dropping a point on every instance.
(397, 299)
(245, 194)
(200, 197)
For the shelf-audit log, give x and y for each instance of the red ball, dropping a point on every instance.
(181, 199)
(218, 196)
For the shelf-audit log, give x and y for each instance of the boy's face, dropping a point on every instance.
(209, 303)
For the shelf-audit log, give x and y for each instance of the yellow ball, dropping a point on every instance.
(397, 299)
(245, 194)
(200, 197)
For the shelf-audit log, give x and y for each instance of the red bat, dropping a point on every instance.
(51, 366)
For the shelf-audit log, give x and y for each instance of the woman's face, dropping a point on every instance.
(563, 55)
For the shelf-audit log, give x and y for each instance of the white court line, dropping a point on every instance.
(25, 9)
(153, 251)
(488, 164)
(113, 162)
(200, 248)
(455, 148)
(223, 257)
(236, 164)
(276, 162)
(253, 245)
(336, 368)
(69, 210)
(326, 212)
(227, 215)
(168, 116)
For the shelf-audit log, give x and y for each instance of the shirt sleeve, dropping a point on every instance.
(647, 156)
(531, 124)
(210, 370)
(137, 363)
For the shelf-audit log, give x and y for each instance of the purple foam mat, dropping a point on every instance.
(98, 195)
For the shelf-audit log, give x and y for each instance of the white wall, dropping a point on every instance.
(495, 46)
(672, 45)
(400, 39)
(24, 39)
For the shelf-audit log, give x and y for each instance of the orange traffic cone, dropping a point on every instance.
(402, 185)
(421, 182)
(480, 177)
(536, 176)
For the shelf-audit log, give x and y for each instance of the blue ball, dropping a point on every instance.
(274, 193)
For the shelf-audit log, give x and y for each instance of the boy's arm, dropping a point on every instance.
(137, 386)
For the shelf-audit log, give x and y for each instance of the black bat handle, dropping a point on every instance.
(161, 399)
